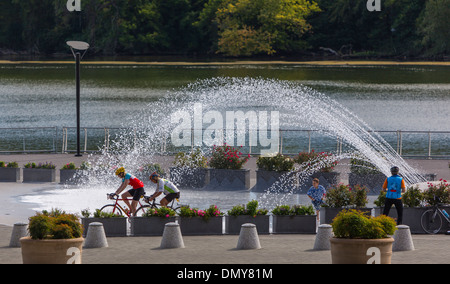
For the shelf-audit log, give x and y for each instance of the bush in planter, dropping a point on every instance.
(114, 224)
(194, 221)
(363, 167)
(323, 161)
(69, 166)
(46, 165)
(277, 163)
(227, 157)
(437, 193)
(9, 165)
(190, 169)
(194, 159)
(250, 213)
(162, 212)
(250, 209)
(286, 210)
(54, 225)
(413, 197)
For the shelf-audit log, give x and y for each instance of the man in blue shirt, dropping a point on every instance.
(316, 193)
(394, 186)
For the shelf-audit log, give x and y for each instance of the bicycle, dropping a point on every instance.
(431, 220)
(173, 206)
(116, 208)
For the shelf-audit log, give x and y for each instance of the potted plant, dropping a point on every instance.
(275, 170)
(190, 169)
(152, 222)
(146, 170)
(9, 172)
(43, 172)
(55, 238)
(340, 197)
(114, 224)
(226, 171)
(296, 219)
(241, 214)
(316, 165)
(365, 173)
(194, 221)
(71, 174)
(360, 239)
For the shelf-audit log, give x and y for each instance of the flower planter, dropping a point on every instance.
(191, 226)
(149, 226)
(221, 179)
(189, 177)
(73, 176)
(39, 175)
(233, 223)
(361, 251)
(114, 227)
(326, 179)
(327, 214)
(285, 181)
(10, 174)
(61, 251)
(295, 224)
(373, 182)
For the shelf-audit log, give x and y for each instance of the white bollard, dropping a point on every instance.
(248, 237)
(96, 237)
(324, 233)
(402, 239)
(172, 237)
(19, 231)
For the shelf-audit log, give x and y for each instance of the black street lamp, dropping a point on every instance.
(78, 46)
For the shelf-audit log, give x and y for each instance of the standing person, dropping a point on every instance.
(394, 187)
(136, 192)
(317, 194)
(164, 186)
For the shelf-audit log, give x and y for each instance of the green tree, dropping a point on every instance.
(435, 27)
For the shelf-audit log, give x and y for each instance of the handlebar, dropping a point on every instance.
(112, 196)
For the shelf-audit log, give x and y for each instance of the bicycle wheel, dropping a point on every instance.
(431, 221)
(141, 210)
(112, 209)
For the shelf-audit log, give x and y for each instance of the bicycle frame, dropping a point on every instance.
(442, 214)
(127, 212)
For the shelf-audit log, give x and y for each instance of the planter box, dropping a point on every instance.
(221, 179)
(10, 174)
(373, 182)
(64, 251)
(149, 226)
(359, 251)
(325, 179)
(73, 176)
(114, 227)
(412, 218)
(284, 181)
(39, 175)
(327, 214)
(233, 223)
(189, 177)
(295, 224)
(191, 226)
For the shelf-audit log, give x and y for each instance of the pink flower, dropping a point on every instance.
(167, 216)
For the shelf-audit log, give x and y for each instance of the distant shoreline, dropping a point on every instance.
(240, 62)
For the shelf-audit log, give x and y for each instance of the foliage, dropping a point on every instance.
(212, 211)
(250, 209)
(435, 26)
(69, 166)
(100, 214)
(151, 168)
(227, 157)
(359, 196)
(342, 196)
(162, 212)
(194, 159)
(278, 163)
(281, 210)
(355, 224)
(437, 193)
(54, 225)
(9, 165)
(322, 161)
(46, 165)
(381, 199)
(413, 197)
(362, 167)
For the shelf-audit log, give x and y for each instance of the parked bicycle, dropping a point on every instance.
(431, 219)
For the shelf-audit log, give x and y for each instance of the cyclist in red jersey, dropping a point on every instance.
(136, 192)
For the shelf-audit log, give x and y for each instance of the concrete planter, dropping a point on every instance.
(10, 174)
(149, 226)
(373, 182)
(72, 176)
(185, 177)
(361, 251)
(325, 179)
(221, 179)
(39, 175)
(233, 223)
(64, 251)
(191, 226)
(284, 181)
(327, 214)
(295, 224)
(114, 227)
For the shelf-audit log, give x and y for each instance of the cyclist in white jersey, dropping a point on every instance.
(164, 186)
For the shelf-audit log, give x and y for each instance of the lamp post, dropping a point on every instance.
(78, 46)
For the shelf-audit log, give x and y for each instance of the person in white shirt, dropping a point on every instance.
(164, 186)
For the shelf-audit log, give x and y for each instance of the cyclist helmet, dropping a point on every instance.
(154, 176)
(394, 170)
(120, 170)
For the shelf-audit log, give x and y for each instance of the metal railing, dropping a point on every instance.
(409, 144)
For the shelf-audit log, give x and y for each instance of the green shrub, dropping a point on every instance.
(54, 225)
(284, 210)
(413, 197)
(251, 209)
(194, 159)
(162, 212)
(278, 163)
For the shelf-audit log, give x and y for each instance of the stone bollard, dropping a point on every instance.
(402, 239)
(19, 231)
(324, 233)
(248, 237)
(172, 237)
(96, 237)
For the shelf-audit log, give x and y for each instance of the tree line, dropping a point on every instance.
(403, 28)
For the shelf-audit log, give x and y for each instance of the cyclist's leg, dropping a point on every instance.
(136, 193)
(125, 197)
(168, 198)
